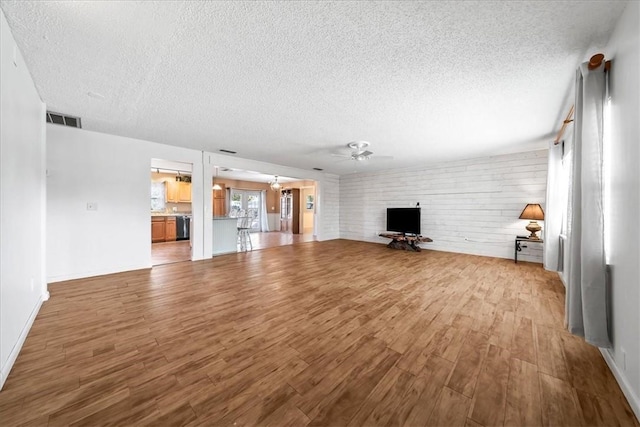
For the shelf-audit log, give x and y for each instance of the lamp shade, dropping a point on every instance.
(533, 212)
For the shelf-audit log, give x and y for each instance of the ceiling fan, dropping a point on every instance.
(359, 152)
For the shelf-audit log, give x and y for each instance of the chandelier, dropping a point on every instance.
(275, 185)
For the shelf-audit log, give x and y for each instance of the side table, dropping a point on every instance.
(518, 247)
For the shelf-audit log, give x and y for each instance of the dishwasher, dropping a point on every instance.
(182, 227)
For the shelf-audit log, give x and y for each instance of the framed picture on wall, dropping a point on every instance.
(309, 202)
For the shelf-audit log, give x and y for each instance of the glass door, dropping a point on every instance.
(246, 203)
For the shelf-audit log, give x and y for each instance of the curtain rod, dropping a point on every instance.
(594, 62)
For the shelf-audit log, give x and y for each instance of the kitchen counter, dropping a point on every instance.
(171, 214)
(225, 235)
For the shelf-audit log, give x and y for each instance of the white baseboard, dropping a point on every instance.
(632, 398)
(95, 273)
(4, 374)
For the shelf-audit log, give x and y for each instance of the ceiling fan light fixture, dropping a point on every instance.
(358, 145)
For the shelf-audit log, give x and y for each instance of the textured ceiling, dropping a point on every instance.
(292, 82)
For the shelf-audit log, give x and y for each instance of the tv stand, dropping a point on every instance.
(405, 242)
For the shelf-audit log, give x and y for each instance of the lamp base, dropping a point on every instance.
(533, 227)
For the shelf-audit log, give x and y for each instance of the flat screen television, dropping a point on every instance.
(403, 220)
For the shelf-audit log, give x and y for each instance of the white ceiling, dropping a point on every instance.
(291, 82)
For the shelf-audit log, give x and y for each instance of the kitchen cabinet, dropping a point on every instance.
(158, 229)
(184, 192)
(178, 192)
(163, 229)
(170, 229)
(219, 197)
(172, 191)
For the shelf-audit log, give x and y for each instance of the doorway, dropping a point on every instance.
(171, 212)
(246, 203)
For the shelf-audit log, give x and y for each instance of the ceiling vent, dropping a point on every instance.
(62, 119)
(318, 169)
(227, 151)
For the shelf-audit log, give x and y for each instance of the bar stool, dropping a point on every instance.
(244, 233)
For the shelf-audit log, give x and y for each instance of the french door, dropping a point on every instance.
(246, 203)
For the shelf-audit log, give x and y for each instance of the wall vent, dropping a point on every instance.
(63, 119)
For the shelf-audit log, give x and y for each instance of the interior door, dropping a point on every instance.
(246, 203)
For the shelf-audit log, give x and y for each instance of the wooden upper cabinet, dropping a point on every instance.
(178, 192)
(184, 192)
(172, 191)
(218, 207)
(219, 201)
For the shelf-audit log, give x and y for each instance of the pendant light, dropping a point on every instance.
(216, 187)
(275, 185)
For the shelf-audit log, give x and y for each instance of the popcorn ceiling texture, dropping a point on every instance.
(291, 82)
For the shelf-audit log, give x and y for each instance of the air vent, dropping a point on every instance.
(61, 119)
(228, 151)
(318, 169)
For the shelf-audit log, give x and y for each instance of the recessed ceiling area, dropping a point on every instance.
(290, 83)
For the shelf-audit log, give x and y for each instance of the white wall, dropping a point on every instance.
(114, 172)
(22, 201)
(623, 49)
(479, 199)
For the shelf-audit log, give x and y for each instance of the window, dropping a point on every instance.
(158, 194)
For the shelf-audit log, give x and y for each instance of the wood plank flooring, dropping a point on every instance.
(336, 333)
(169, 252)
(272, 239)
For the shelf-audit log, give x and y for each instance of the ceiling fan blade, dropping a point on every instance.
(365, 153)
(346, 156)
(383, 157)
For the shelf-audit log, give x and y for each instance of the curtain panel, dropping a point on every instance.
(264, 217)
(586, 300)
(554, 204)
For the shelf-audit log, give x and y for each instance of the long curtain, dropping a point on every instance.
(264, 218)
(586, 302)
(554, 209)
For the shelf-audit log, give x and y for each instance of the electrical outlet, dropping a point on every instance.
(92, 206)
(624, 358)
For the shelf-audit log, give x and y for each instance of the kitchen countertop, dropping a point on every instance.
(171, 214)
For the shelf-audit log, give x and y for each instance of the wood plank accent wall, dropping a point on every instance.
(328, 202)
(477, 199)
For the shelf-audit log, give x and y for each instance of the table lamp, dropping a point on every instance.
(534, 213)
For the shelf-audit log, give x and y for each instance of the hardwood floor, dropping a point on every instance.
(336, 333)
(170, 252)
(272, 239)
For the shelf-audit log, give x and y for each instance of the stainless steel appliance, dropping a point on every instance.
(183, 227)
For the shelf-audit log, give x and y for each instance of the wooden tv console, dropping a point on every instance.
(404, 242)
